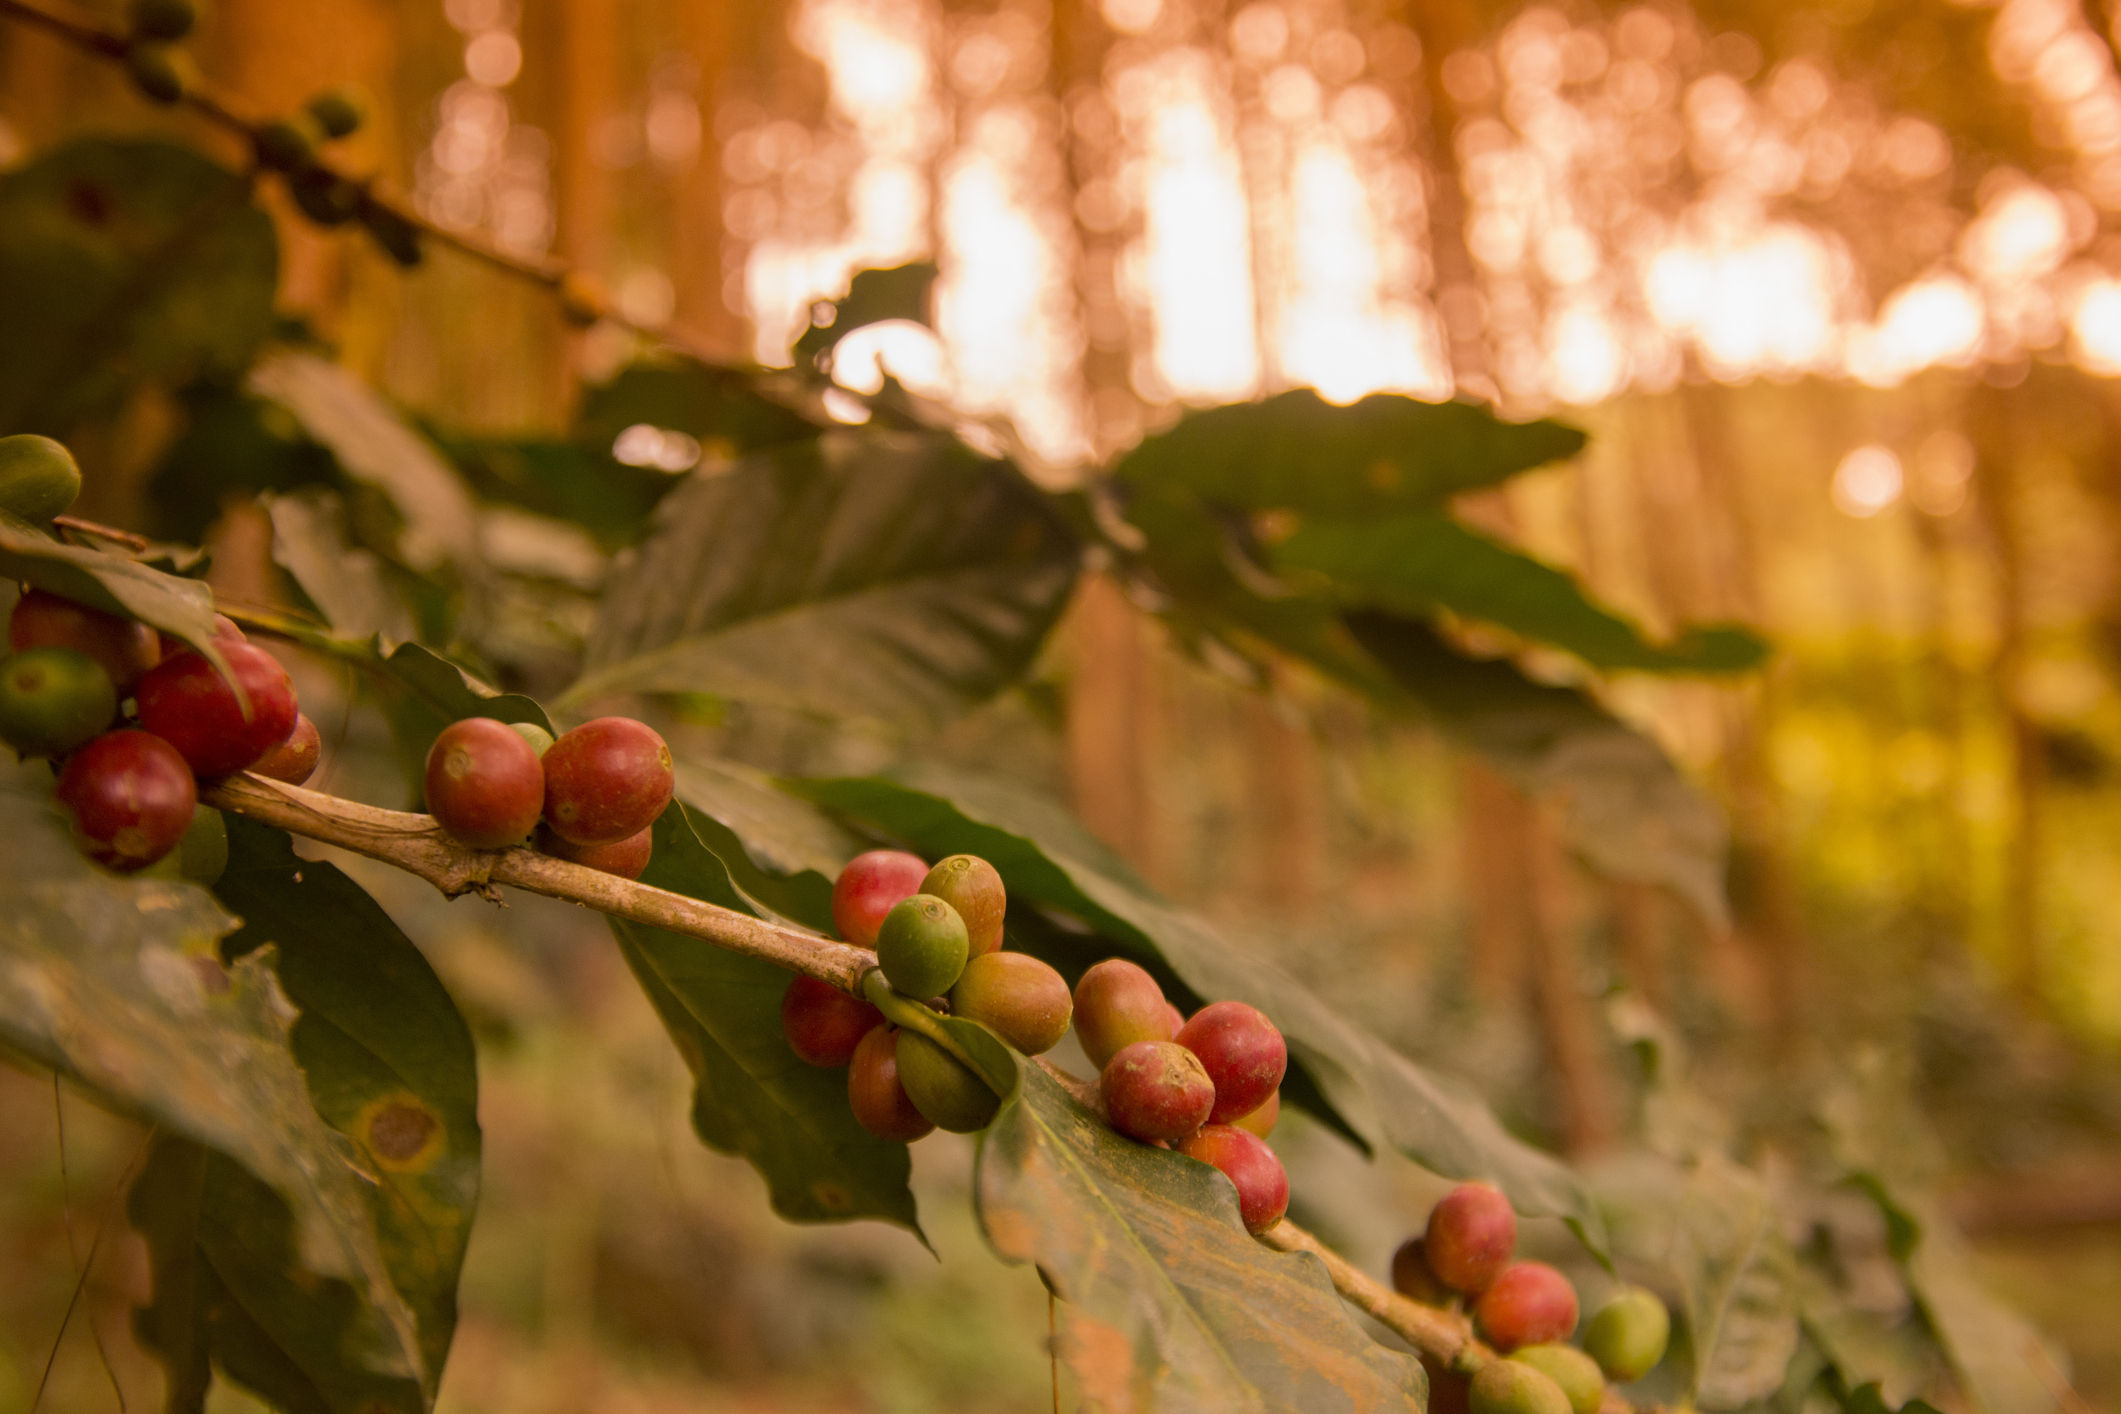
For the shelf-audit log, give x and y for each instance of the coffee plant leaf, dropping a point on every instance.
(1417, 564)
(123, 261)
(113, 582)
(1164, 1301)
(117, 984)
(347, 583)
(782, 851)
(232, 442)
(726, 410)
(1894, 1357)
(755, 1098)
(873, 296)
(1383, 455)
(875, 576)
(1338, 1071)
(1627, 809)
(389, 1064)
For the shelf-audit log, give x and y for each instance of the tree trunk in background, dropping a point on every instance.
(1496, 821)
(585, 191)
(1642, 940)
(706, 31)
(1282, 806)
(1570, 1026)
(1112, 722)
(1445, 27)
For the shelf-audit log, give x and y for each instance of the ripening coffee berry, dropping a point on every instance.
(162, 19)
(201, 857)
(824, 1024)
(224, 628)
(52, 700)
(1261, 1121)
(1529, 1304)
(38, 477)
(285, 144)
(1116, 1005)
(605, 780)
(971, 885)
(628, 858)
(880, 1102)
(483, 784)
(942, 1088)
(1023, 1000)
(1411, 1276)
(125, 649)
(1472, 1233)
(1156, 1090)
(1254, 1169)
(921, 946)
(1629, 1334)
(188, 704)
(324, 196)
(161, 72)
(339, 111)
(868, 887)
(130, 796)
(1242, 1052)
(295, 759)
(1506, 1387)
(1576, 1373)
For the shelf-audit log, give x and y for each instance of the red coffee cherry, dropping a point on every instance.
(295, 759)
(823, 1024)
(868, 887)
(880, 1102)
(1244, 1158)
(1529, 1304)
(1116, 1005)
(1025, 1001)
(483, 783)
(1472, 1233)
(125, 649)
(1411, 1276)
(971, 885)
(224, 628)
(1243, 1054)
(131, 798)
(1261, 1121)
(605, 780)
(1156, 1090)
(628, 858)
(188, 704)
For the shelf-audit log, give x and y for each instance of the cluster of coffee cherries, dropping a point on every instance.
(1208, 1087)
(135, 720)
(1526, 1310)
(591, 795)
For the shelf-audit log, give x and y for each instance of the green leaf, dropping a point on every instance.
(781, 851)
(1337, 1070)
(376, 447)
(1166, 1303)
(116, 983)
(1416, 564)
(720, 407)
(348, 584)
(112, 582)
(121, 261)
(1627, 810)
(755, 1097)
(867, 575)
(231, 442)
(872, 297)
(423, 692)
(1890, 1355)
(389, 1063)
(1383, 455)
(583, 485)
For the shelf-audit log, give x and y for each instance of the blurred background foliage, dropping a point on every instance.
(1832, 287)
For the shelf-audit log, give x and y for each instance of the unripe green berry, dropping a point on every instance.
(1507, 1387)
(1023, 1000)
(540, 740)
(1629, 1334)
(52, 700)
(339, 111)
(201, 857)
(921, 946)
(1576, 1373)
(972, 886)
(285, 144)
(163, 19)
(38, 477)
(942, 1088)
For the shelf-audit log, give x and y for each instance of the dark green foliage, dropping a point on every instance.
(122, 261)
(873, 296)
(724, 409)
(232, 441)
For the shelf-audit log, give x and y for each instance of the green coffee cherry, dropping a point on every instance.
(921, 946)
(941, 1088)
(1508, 1387)
(201, 857)
(158, 70)
(38, 477)
(339, 111)
(1577, 1373)
(540, 739)
(286, 144)
(54, 699)
(1629, 1334)
(163, 19)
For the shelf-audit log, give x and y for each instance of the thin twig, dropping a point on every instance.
(95, 1244)
(73, 1256)
(98, 531)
